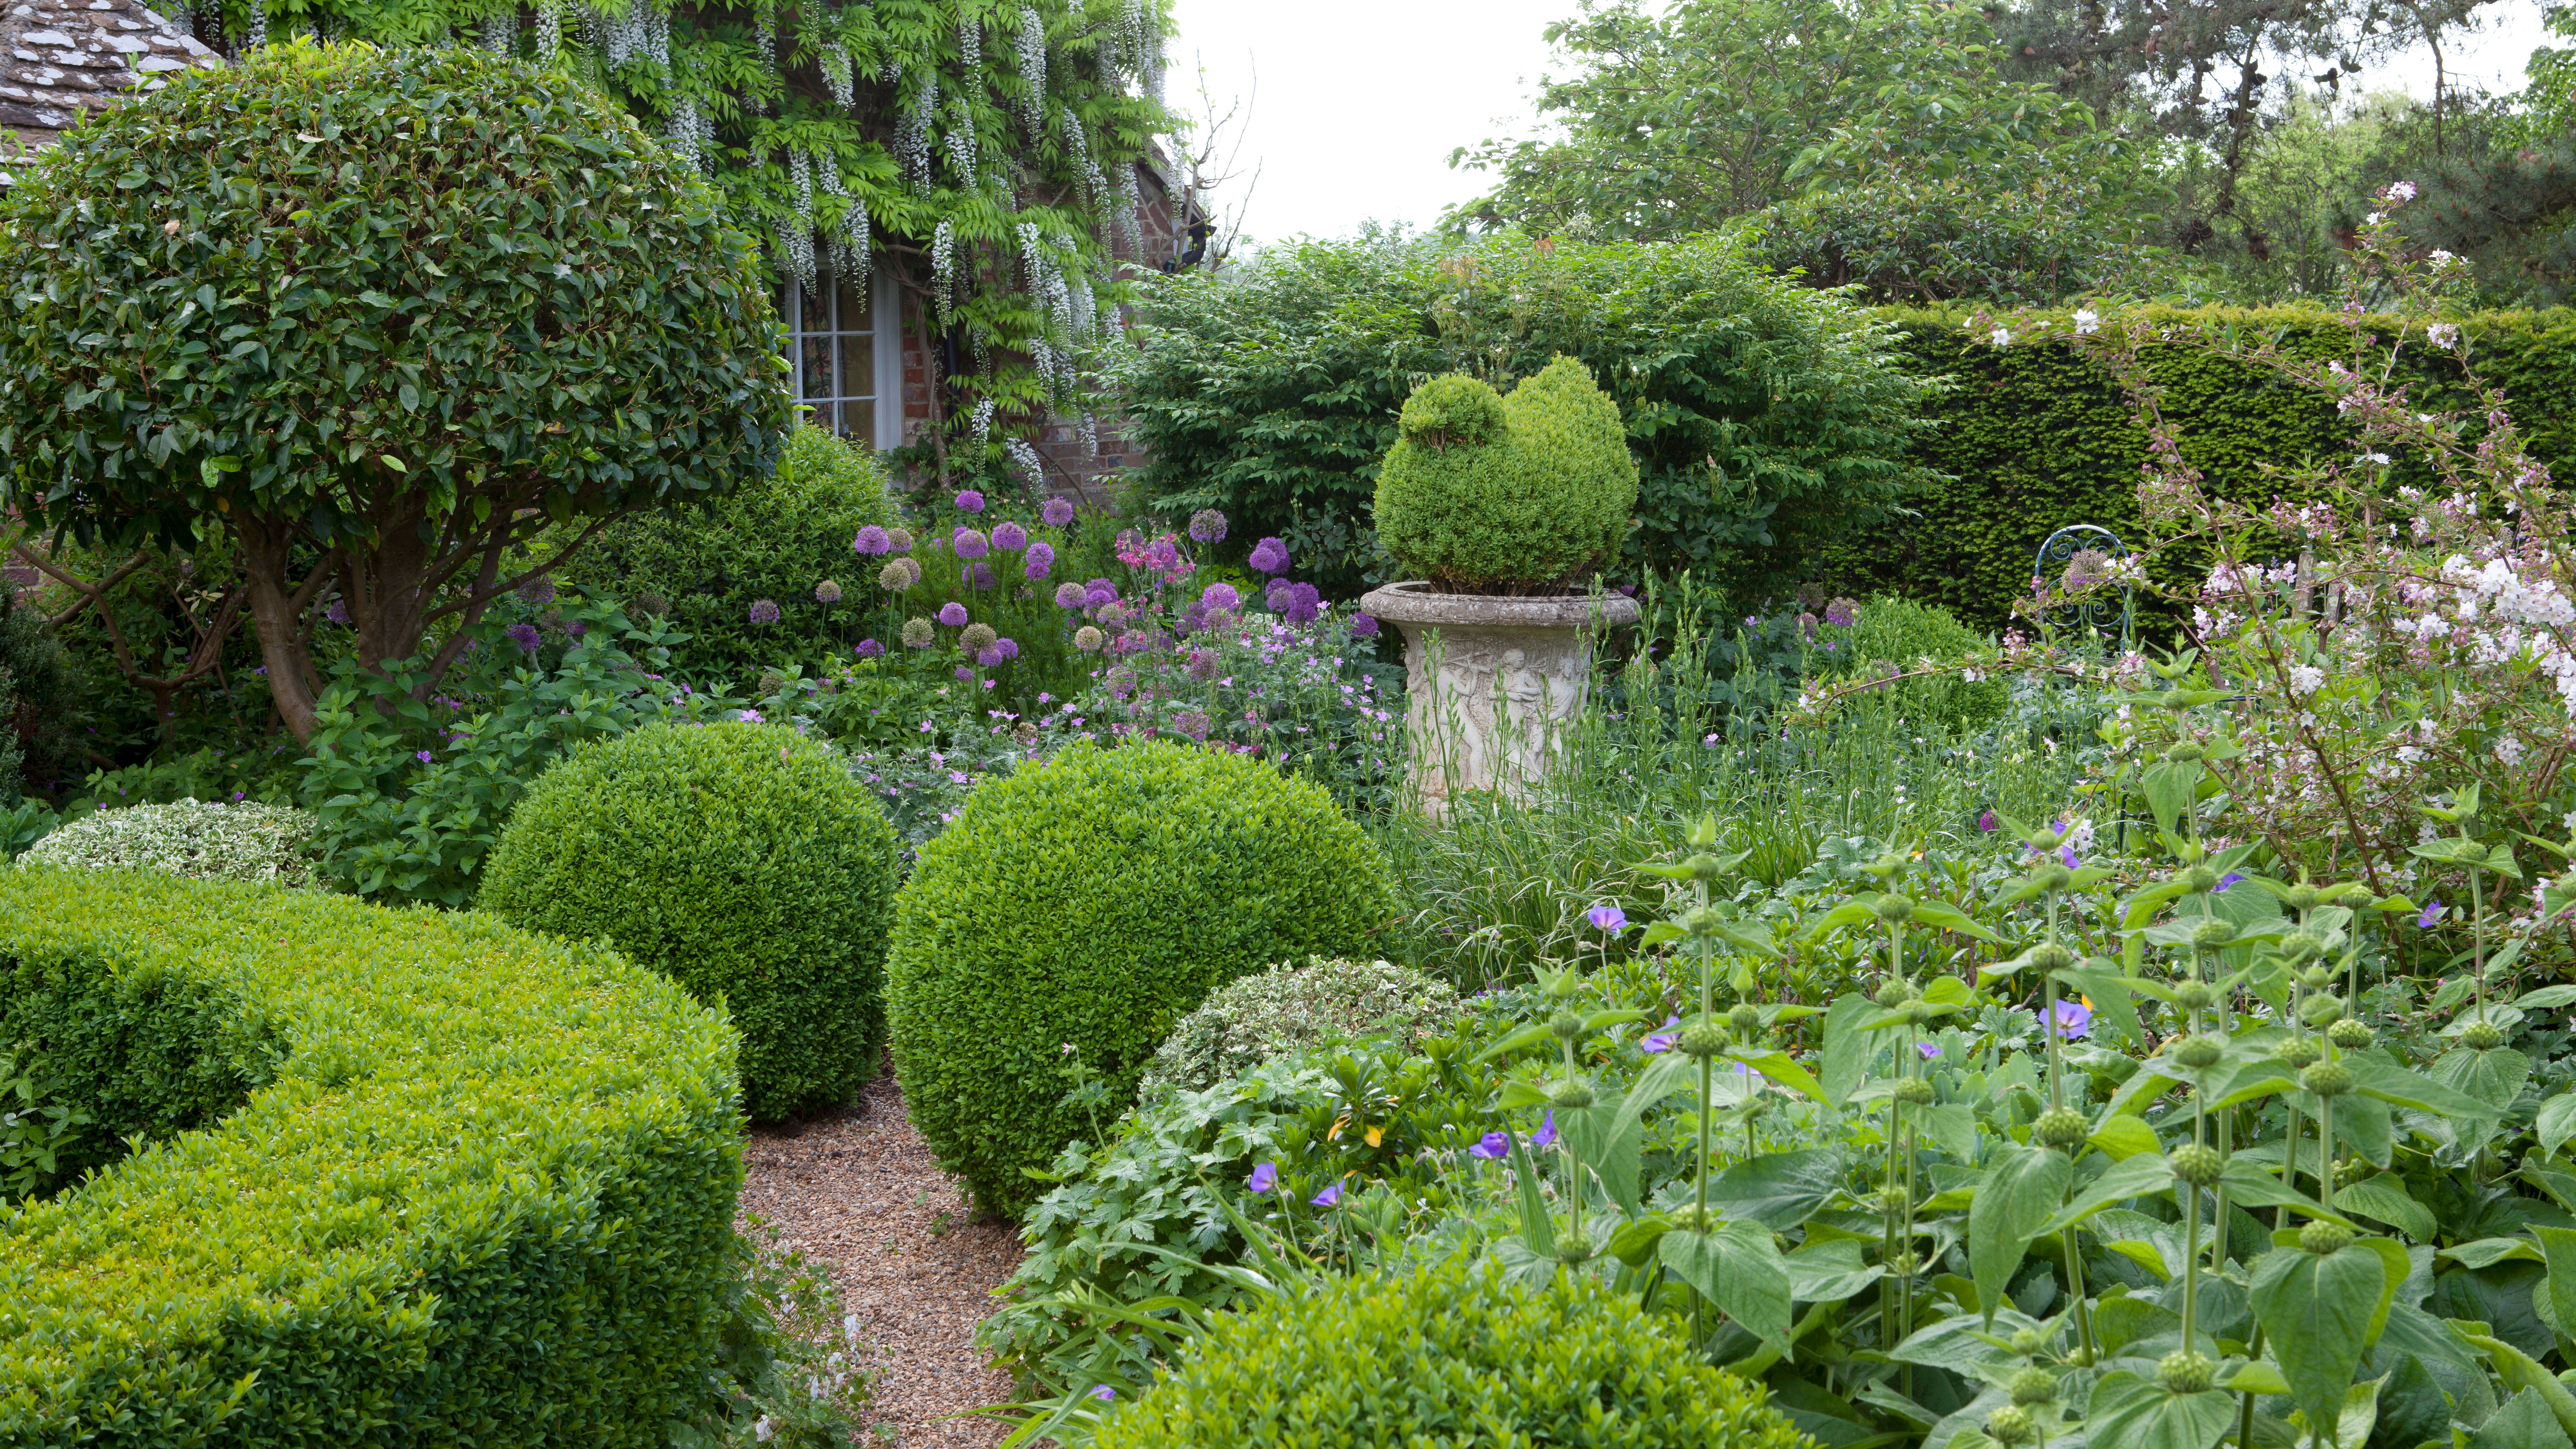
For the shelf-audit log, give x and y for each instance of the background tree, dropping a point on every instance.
(378, 318)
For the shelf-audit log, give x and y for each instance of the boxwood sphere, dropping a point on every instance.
(1092, 901)
(1448, 1353)
(742, 859)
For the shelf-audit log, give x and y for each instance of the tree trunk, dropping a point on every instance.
(276, 614)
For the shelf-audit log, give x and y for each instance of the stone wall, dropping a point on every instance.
(68, 58)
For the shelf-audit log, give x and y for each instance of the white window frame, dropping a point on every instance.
(886, 323)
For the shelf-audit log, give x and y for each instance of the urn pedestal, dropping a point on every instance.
(1491, 682)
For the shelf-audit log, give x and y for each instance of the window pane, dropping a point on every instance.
(818, 367)
(818, 310)
(858, 366)
(854, 308)
(859, 421)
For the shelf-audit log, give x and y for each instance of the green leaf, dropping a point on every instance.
(2518, 1372)
(1536, 1229)
(2128, 1412)
(1610, 1153)
(1739, 1269)
(2487, 1252)
(2494, 1077)
(1779, 1190)
(1829, 1272)
(2122, 1136)
(2382, 1199)
(2558, 1249)
(2022, 1188)
(1948, 917)
(1780, 1067)
(2134, 1176)
(2521, 1422)
(2358, 1415)
(1634, 1243)
(2316, 1311)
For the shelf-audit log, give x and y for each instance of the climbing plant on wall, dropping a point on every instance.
(984, 150)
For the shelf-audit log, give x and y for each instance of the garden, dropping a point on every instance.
(1574, 859)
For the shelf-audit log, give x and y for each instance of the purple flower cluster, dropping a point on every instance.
(1207, 526)
(1220, 598)
(870, 649)
(871, 540)
(1040, 561)
(953, 614)
(1363, 626)
(969, 543)
(525, 636)
(970, 501)
(1269, 556)
(1010, 536)
(1056, 513)
(1297, 603)
(764, 611)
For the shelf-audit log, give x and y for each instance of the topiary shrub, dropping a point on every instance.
(402, 1177)
(1449, 1353)
(776, 541)
(1257, 1019)
(1087, 904)
(743, 859)
(1525, 494)
(246, 841)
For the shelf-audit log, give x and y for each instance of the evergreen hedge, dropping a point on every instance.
(2034, 437)
(409, 1177)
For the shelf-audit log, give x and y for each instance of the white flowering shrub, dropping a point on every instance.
(199, 839)
(1257, 1019)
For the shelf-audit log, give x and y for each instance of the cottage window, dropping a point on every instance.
(845, 347)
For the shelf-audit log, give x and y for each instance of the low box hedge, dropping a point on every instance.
(405, 1177)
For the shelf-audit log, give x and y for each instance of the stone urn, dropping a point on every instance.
(1491, 681)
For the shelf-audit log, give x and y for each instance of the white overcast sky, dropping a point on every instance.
(1356, 104)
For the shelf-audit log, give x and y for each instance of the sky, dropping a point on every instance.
(1355, 105)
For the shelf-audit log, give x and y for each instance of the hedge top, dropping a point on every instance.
(425, 1091)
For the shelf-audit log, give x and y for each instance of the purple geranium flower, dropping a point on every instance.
(1545, 1136)
(2074, 1019)
(1265, 1177)
(968, 543)
(2067, 854)
(1039, 562)
(1928, 1050)
(1269, 556)
(1217, 597)
(1363, 626)
(1056, 513)
(970, 501)
(1492, 1145)
(1607, 917)
(1331, 1194)
(424, 757)
(1662, 1041)
(953, 614)
(2432, 915)
(2224, 881)
(871, 540)
(1103, 1392)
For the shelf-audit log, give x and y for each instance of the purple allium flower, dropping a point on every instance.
(1304, 603)
(1009, 647)
(424, 757)
(1121, 681)
(525, 636)
(1218, 598)
(1192, 722)
(899, 574)
(1161, 556)
(871, 540)
(1363, 626)
(870, 649)
(1928, 1050)
(2432, 915)
(1068, 595)
(990, 655)
(1331, 1194)
(1056, 513)
(1607, 917)
(1545, 1136)
(764, 611)
(539, 591)
(1269, 556)
(1039, 562)
(1841, 612)
(1207, 526)
(1099, 592)
(1491, 1146)
(1103, 1392)
(970, 501)
(2074, 1019)
(827, 592)
(965, 674)
(1202, 665)
(1807, 625)
(1987, 822)
(1010, 536)
(2224, 881)
(1654, 1042)
(336, 611)
(979, 575)
(969, 544)
(953, 614)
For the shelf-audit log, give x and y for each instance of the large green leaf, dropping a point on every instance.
(1780, 1190)
(2556, 1123)
(2128, 1412)
(2558, 1246)
(2494, 1076)
(2386, 1201)
(1829, 1272)
(2522, 1422)
(2316, 1311)
(1739, 1269)
(2130, 1177)
(2022, 1188)
(2520, 1371)
(2358, 1415)
(1849, 1046)
(1595, 1134)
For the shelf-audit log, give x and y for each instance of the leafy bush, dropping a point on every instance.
(784, 1370)
(39, 699)
(1449, 1353)
(412, 799)
(1255, 1019)
(375, 316)
(1084, 907)
(246, 842)
(1925, 240)
(776, 540)
(743, 859)
(1766, 418)
(473, 1185)
(1485, 494)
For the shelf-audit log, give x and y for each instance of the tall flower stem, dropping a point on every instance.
(2056, 1098)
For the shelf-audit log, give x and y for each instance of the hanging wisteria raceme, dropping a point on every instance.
(836, 75)
(689, 132)
(501, 33)
(1084, 308)
(798, 243)
(943, 267)
(1033, 62)
(1025, 458)
(983, 423)
(1090, 435)
(912, 133)
(255, 34)
(850, 233)
(970, 36)
(549, 37)
(1131, 208)
(961, 145)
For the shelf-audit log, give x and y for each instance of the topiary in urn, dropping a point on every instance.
(1503, 509)
(1526, 494)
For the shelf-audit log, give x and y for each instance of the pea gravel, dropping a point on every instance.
(859, 1193)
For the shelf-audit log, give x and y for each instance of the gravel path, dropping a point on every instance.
(860, 1194)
